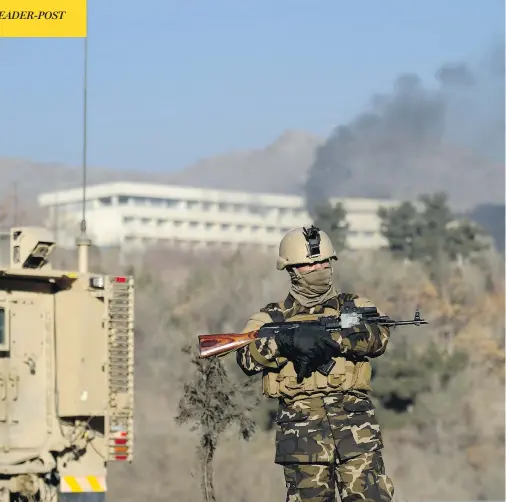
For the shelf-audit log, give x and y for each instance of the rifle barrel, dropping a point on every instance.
(404, 323)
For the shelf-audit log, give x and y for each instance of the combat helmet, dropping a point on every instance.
(304, 246)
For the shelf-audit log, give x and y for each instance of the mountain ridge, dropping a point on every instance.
(280, 167)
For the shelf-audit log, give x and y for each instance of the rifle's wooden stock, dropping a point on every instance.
(219, 345)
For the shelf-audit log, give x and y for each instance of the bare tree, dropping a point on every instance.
(212, 403)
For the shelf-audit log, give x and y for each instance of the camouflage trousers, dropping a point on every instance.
(361, 478)
(324, 442)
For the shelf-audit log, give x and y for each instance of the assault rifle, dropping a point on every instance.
(222, 344)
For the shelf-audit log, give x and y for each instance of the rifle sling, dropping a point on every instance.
(259, 358)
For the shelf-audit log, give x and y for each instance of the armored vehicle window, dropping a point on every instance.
(2, 326)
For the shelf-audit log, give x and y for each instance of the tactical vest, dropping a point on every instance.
(347, 374)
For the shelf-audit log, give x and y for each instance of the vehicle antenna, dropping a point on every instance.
(83, 241)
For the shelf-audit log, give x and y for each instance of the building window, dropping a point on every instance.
(255, 228)
(209, 226)
(270, 230)
(194, 224)
(145, 221)
(105, 201)
(192, 204)
(161, 222)
(140, 201)
(171, 202)
(225, 226)
(155, 201)
(128, 219)
(369, 233)
(123, 200)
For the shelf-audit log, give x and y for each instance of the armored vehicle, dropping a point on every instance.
(66, 373)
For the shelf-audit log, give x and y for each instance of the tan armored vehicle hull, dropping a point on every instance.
(66, 373)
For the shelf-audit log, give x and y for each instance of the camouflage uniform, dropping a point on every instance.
(327, 433)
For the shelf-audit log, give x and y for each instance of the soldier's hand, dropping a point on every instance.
(302, 366)
(311, 342)
(314, 342)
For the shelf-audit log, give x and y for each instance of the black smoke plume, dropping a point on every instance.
(419, 140)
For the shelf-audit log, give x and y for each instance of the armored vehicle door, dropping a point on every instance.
(26, 369)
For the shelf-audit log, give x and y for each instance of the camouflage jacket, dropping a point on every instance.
(319, 429)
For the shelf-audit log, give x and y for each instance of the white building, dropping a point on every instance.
(141, 214)
(5, 251)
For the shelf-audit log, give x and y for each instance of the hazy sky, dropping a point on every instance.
(171, 82)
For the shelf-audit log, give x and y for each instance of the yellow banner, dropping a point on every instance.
(42, 18)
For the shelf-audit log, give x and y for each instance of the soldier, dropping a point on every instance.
(327, 432)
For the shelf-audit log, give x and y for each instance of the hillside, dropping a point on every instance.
(280, 167)
(434, 388)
